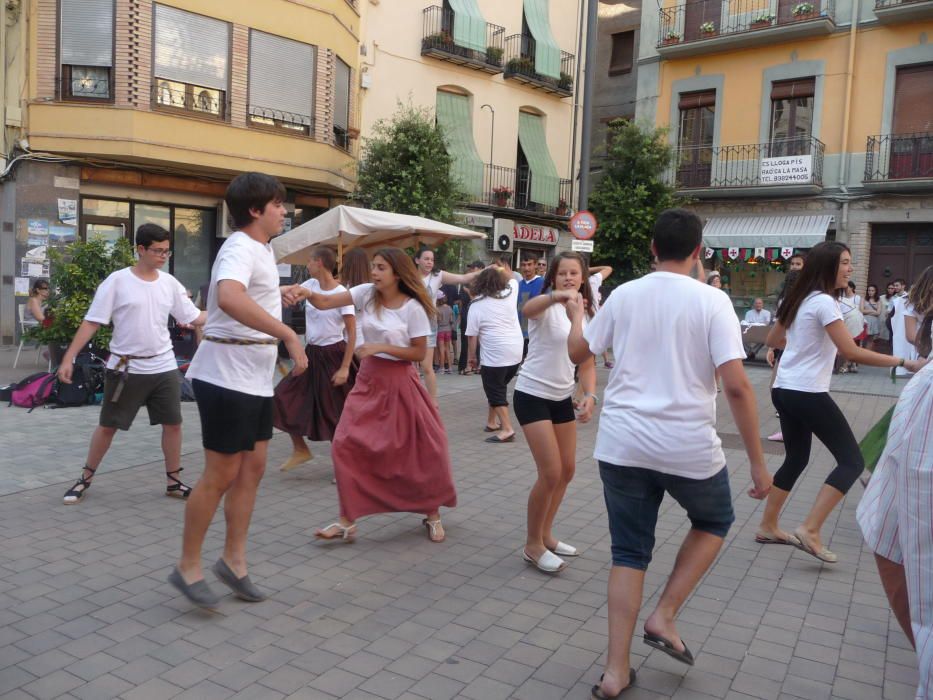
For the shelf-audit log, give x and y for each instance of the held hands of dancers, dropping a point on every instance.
(291, 294)
(913, 365)
(585, 408)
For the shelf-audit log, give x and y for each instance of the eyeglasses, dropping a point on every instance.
(161, 252)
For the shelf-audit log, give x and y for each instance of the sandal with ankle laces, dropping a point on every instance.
(347, 534)
(73, 496)
(177, 489)
(433, 527)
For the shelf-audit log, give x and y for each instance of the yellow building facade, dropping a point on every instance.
(500, 78)
(122, 112)
(794, 122)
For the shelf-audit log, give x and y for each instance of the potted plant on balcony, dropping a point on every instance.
(494, 55)
(565, 82)
(708, 29)
(561, 207)
(762, 20)
(439, 40)
(804, 10)
(502, 195)
(522, 65)
(671, 37)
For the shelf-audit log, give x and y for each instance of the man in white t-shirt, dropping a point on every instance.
(657, 430)
(758, 315)
(232, 375)
(141, 371)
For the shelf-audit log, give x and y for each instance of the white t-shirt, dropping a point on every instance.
(807, 361)
(901, 308)
(433, 284)
(547, 371)
(390, 326)
(762, 317)
(245, 368)
(596, 281)
(669, 333)
(495, 321)
(139, 311)
(325, 326)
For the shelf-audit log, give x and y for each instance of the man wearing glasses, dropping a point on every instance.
(141, 370)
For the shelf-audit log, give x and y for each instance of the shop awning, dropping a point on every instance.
(469, 25)
(453, 116)
(547, 52)
(545, 183)
(766, 231)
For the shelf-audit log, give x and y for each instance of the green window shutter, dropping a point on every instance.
(469, 25)
(545, 183)
(547, 52)
(453, 116)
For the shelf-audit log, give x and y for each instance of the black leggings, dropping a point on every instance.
(803, 415)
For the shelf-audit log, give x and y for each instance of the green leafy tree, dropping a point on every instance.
(405, 169)
(630, 195)
(76, 273)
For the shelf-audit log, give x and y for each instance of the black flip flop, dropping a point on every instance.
(596, 693)
(665, 645)
(496, 438)
(487, 429)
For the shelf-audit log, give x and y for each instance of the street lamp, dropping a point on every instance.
(492, 129)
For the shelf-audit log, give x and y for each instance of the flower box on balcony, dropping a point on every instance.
(708, 30)
(804, 11)
(670, 39)
(762, 22)
(494, 55)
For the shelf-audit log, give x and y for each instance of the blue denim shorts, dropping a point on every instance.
(633, 497)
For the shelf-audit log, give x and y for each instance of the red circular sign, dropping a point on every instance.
(583, 225)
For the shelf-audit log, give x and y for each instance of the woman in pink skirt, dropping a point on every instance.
(310, 404)
(390, 450)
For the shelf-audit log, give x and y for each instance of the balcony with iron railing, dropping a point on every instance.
(781, 167)
(706, 26)
(192, 99)
(280, 120)
(899, 162)
(510, 188)
(520, 51)
(893, 11)
(437, 41)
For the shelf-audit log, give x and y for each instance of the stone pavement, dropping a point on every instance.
(85, 611)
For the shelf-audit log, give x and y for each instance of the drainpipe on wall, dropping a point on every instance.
(575, 107)
(589, 77)
(844, 155)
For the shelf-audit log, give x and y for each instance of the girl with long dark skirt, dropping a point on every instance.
(310, 404)
(810, 329)
(390, 450)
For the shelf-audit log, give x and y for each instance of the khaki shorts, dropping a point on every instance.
(159, 393)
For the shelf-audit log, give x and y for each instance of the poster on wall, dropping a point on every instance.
(21, 286)
(30, 268)
(68, 211)
(62, 235)
(37, 232)
(38, 254)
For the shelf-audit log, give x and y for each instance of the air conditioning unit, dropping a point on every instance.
(502, 232)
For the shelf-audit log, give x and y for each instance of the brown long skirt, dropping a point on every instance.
(390, 452)
(309, 404)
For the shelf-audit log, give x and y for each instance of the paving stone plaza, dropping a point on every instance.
(85, 611)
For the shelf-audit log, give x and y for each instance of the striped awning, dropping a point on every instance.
(766, 231)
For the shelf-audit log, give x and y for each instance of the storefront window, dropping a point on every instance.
(151, 214)
(105, 207)
(194, 231)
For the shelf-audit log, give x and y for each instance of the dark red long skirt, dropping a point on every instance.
(390, 452)
(309, 404)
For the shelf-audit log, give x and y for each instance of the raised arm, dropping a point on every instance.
(326, 301)
(536, 306)
(604, 271)
(453, 278)
(577, 347)
(847, 347)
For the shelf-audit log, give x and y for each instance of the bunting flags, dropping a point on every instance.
(737, 254)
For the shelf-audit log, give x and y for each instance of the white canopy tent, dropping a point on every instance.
(352, 227)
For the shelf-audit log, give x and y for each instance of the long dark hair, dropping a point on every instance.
(790, 279)
(921, 298)
(409, 280)
(818, 275)
(491, 283)
(354, 268)
(585, 290)
(868, 295)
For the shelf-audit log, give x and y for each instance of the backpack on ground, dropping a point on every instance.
(86, 380)
(35, 390)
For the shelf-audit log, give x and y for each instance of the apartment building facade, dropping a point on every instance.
(500, 78)
(794, 122)
(122, 112)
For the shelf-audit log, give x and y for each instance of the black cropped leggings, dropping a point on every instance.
(803, 415)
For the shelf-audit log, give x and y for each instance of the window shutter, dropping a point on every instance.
(342, 96)
(913, 100)
(281, 77)
(623, 51)
(469, 25)
(545, 183)
(86, 31)
(454, 118)
(789, 89)
(191, 48)
(694, 100)
(547, 52)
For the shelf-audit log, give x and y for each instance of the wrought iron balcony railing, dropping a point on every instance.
(437, 40)
(520, 51)
(202, 101)
(899, 157)
(705, 19)
(794, 162)
(510, 188)
(889, 4)
(279, 119)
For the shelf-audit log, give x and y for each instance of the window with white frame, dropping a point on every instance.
(86, 49)
(281, 82)
(191, 57)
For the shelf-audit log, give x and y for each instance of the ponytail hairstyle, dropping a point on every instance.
(585, 289)
(409, 280)
(921, 298)
(818, 275)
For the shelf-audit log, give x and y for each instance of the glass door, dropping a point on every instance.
(109, 233)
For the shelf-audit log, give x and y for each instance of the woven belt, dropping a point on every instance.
(123, 366)
(240, 341)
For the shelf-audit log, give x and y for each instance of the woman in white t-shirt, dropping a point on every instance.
(390, 450)
(811, 331)
(544, 405)
(433, 280)
(493, 324)
(918, 313)
(309, 405)
(850, 304)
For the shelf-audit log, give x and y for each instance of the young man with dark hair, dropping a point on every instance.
(232, 375)
(529, 286)
(141, 370)
(657, 431)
